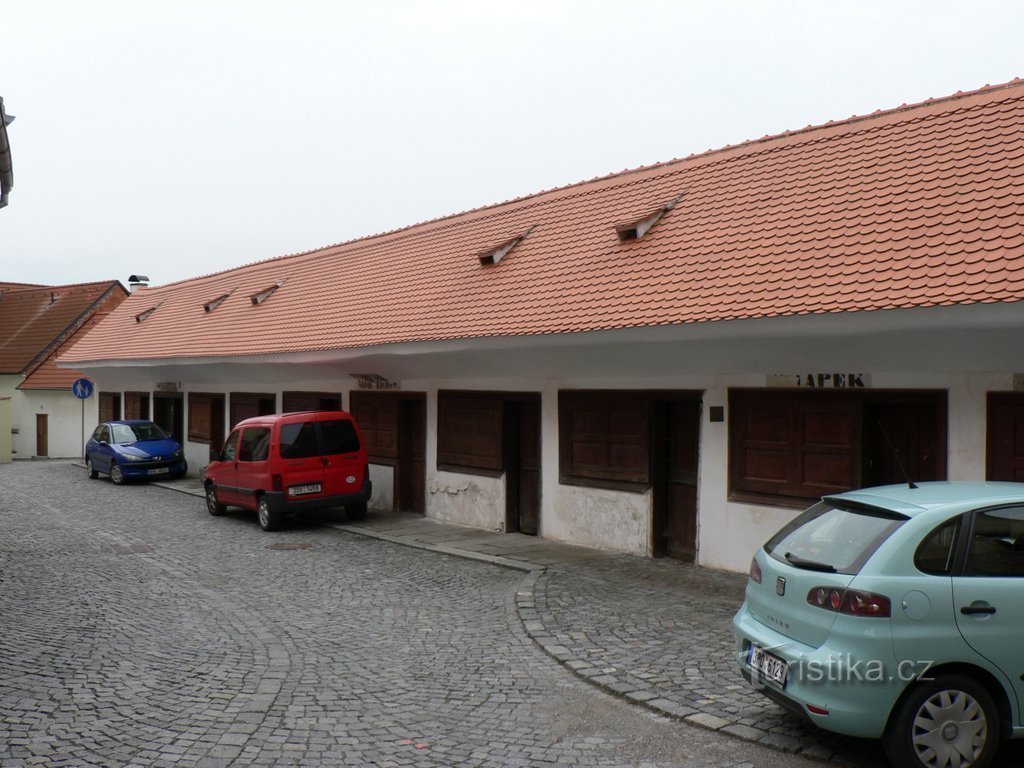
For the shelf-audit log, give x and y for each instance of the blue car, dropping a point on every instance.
(133, 449)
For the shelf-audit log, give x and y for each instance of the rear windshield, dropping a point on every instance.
(339, 437)
(827, 537)
(299, 441)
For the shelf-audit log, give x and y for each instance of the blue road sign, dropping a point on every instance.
(82, 388)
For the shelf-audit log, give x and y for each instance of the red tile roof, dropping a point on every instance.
(914, 207)
(36, 320)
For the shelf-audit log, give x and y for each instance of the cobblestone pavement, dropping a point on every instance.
(137, 630)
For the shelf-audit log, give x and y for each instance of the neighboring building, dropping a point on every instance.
(38, 323)
(669, 360)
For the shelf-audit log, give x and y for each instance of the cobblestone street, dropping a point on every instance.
(137, 630)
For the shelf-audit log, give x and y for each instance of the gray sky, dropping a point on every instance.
(176, 138)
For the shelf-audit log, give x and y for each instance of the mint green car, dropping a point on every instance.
(896, 613)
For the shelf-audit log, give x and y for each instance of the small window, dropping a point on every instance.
(266, 293)
(936, 553)
(145, 314)
(604, 439)
(997, 544)
(469, 433)
(103, 434)
(298, 441)
(230, 447)
(255, 445)
(492, 256)
(637, 228)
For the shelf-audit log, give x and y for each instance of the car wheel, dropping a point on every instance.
(93, 474)
(116, 475)
(356, 511)
(269, 520)
(947, 722)
(213, 506)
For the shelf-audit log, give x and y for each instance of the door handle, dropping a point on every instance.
(977, 609)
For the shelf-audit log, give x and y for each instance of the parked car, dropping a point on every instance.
(896, 613)
(133, 449)
(287, 463)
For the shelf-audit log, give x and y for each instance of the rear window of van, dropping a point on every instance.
(299, 441)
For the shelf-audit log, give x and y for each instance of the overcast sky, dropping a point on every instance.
(176, 138)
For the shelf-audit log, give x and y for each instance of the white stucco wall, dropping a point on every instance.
(729, 532)
(64, 419)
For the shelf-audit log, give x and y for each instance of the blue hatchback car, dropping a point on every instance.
(133, 449)
(896, 613)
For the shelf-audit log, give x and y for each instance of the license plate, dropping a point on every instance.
(158, 471)
(302, 490)
(767, 665)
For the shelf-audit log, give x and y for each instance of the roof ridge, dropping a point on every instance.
(767, 138)
(27, 287)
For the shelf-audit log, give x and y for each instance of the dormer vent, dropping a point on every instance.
(144, 315)
(53, 297)
(492, 256)
(212, 305)
(266, 293)
(636, 229)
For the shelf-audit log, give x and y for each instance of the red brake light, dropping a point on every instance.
(852, 602)
(755, 571)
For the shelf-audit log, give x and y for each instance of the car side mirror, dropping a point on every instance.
(104, 442)
(214, 454)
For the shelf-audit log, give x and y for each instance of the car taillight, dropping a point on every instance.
(852, 602)
(755, 571)
(275, 483)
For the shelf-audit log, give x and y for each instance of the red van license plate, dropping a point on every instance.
(304, 490)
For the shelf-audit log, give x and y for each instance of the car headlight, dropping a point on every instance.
(129, 457)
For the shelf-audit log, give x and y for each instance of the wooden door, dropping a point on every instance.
(676, 433)
(42, 435)
(169, 415)
(411, 466)
(1005, 438)
(522, 466)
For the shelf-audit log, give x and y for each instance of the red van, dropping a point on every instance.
(286, 463)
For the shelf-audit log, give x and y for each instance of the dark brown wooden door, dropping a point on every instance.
(522, 466)
(136, 405)
(906, 433)
(169, 414)
(1005, 449)
(411, 467)
(42, 435)
(676, 456)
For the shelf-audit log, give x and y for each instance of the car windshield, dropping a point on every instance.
(831, 538)
(134, 433)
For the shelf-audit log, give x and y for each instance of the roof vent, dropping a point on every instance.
(266, 293)
(492, 256)
(143, 315)
(53, 297)
(212, 305)
(634, 230)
